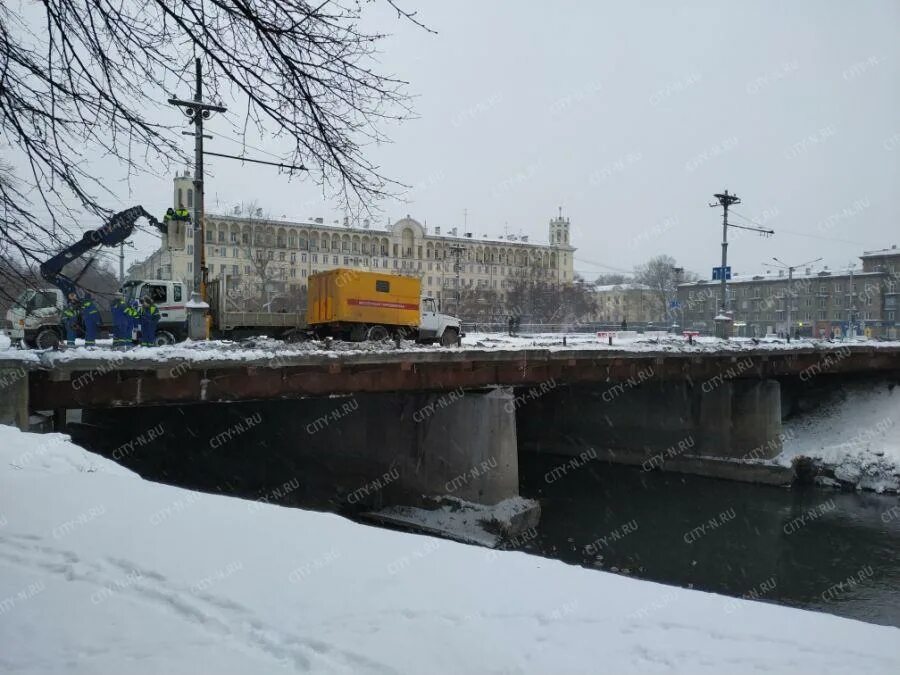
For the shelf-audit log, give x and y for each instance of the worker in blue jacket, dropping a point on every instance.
(123, 317)
(70, 315)
(90, 317)
(148, 317)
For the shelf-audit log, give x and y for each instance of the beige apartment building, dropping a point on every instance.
(250, 249)
(824, 302)
(632, 303)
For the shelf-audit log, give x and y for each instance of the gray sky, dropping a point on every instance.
(630, 118)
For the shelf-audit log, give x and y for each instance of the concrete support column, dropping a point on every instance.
(14, 397)
(663, 425)
(361, 451)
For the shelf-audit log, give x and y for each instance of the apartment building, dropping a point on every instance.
(251, 249)
(823, 302)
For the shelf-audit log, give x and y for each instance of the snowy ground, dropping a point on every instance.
(102, 572)
(857, 433)
(272, 351)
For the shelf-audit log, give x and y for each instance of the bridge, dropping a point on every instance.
(436, 415)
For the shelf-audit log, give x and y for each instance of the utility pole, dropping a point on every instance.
(122, 262)
(197, 111)
(456, 250)
(725, 200)
(790, 292)
(850, 306)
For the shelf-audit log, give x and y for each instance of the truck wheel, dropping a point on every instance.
(47, 338)
(377, 334)
(450, 337)
(294, 336)
(164, 337)
(358, 333)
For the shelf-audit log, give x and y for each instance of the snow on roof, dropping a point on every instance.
(893, 250)
(769, 276)
(622, 287)
(357, 228)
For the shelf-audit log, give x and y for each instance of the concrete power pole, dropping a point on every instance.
(456, 250)
(197, 111)
(790, 293)
(724, 200)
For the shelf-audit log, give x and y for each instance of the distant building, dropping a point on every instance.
(824, 302)
(237, 243)
(636, 304)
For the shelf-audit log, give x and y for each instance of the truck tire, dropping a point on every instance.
(377, 333)
(450, 337)
(46, 338)
(294, 336)
(164, 337)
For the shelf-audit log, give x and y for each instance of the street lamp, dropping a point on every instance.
(790, 297)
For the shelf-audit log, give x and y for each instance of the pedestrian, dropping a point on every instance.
(90, 317)
(70, 315)
(509, 324)
(148, 317)
(123, 316)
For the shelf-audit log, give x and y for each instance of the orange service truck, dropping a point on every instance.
(352, 305)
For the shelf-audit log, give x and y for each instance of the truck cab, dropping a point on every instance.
(437, 327)
(169, 298)
(35, 314)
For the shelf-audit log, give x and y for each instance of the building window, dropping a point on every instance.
(190, 267)
(334, 260)
(382, 286)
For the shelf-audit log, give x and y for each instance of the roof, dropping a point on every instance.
(893, 250)
(621, 287)
(769, 277)
(389, 229)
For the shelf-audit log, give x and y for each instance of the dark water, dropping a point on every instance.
(805, 547)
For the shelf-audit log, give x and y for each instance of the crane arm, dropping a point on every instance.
(113, 233)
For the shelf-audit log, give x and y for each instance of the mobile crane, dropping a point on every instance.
(36, 318)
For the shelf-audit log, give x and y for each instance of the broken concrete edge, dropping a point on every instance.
(490, 525)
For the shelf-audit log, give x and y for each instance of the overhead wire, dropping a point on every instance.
(781, 230)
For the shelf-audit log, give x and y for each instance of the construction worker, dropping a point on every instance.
(70, 318)
(123, 317)
(90, 317)
(148, 317)
(181, 213)
(170, 215)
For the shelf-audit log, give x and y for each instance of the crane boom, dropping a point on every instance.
(118, 229)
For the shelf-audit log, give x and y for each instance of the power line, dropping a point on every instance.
(802, 234)
(289, 167)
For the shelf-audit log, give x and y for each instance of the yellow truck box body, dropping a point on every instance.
(349, 296)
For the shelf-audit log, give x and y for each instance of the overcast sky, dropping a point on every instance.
(630, 118)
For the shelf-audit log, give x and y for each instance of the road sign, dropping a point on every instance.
(674, 304)
(717, 273)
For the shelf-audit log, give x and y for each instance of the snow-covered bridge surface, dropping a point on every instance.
(264, 369)
(103, 572)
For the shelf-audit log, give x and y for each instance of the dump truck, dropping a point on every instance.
(227, 321)
(352, 305)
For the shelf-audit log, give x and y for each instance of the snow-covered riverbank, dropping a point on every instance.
(103, 572)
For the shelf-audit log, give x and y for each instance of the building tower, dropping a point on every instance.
(559, 230)
(183, 192)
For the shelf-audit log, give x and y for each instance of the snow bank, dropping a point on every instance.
(273, 351)
(101, 572)
(855, 434)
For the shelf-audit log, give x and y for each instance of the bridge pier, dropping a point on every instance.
(14, 397)
(359, 452)
(719, 429)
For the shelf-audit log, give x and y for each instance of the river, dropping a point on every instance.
(834, 552)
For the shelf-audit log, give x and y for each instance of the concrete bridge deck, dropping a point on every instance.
(100, 379)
